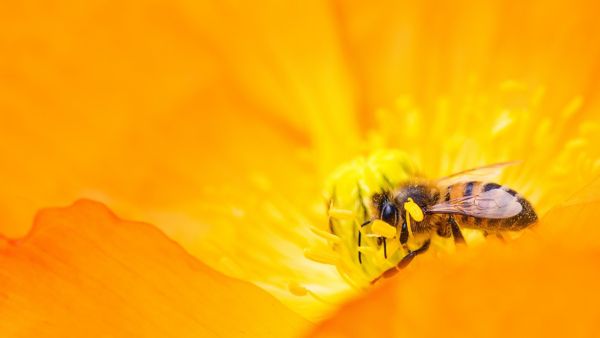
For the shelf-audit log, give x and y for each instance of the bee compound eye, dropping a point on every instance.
(389, 213)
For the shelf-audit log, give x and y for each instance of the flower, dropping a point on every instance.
(221, 124)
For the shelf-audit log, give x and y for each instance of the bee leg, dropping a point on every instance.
(456, 233)
(382, 240)
(384, 248)
(358, 246)
(412, 254)
(359, 239)
(404, 234)
(500, 237)
(407, 259)
(443, 230)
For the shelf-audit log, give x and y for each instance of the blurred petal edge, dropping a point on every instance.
(82, 271)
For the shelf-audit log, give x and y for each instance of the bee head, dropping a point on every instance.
(387, 210)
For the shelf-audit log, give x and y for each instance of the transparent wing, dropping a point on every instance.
(494, 203)
(487, 173)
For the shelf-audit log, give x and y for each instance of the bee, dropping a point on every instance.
(422, 208)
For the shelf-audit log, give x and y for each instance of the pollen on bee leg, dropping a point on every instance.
(341, 214)
(382, 229)
(322, 255)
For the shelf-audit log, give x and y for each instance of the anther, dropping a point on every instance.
(341, 214)
(326, 235)
(321, 256)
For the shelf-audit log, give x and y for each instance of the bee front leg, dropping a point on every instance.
(404, 234)
(407, 259)
(360, 238)
(382, 240)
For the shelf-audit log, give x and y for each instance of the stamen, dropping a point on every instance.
(341, 214)
(367, 250)
(512, 85)
(321, 255)
(502, 122)
(572, 107)
(326, 235)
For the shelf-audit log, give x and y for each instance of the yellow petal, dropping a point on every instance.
(84, 271)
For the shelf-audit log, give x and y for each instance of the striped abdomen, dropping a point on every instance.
(486, 219)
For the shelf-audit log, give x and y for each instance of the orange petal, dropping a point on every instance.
(82, 270)
(573, 226)
(536, 286)
(91, 90)
(166, 110)
(433, 48)
(178, 113)
(181, 94)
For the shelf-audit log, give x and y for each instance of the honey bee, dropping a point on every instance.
(422, 208)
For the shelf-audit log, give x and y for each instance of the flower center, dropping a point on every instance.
(361, 245)
(446, 136)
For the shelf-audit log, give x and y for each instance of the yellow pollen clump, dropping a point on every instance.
(413, 210)
(383, 229)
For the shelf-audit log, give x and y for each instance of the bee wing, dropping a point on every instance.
(495, 203)
(486, 173)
